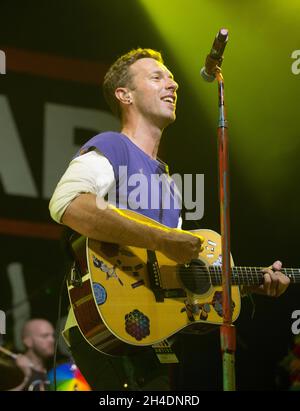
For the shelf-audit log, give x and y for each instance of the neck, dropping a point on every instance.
(144, 134)
(38, 362)
(249, 275)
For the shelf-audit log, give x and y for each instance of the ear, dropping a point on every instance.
(27, 341)
(123, 95)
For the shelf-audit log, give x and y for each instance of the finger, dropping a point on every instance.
(199, 246)
(283, 283)
(267, 283)
(195, 255)
(280, 289)
(275, 281)
(201, 238)
(274, 284)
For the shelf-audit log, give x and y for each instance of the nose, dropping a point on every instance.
(172, 85)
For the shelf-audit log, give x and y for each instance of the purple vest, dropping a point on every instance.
(142, 184)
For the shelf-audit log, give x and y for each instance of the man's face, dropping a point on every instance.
(153, 91)
(42, 339)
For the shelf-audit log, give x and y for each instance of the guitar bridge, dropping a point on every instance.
(154, 277)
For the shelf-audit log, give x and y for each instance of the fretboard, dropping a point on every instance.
(249, 275)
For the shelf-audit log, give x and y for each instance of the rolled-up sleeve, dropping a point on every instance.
(88, 173)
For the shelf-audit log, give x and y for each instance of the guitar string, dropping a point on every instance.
(239, 274)
(234, 269)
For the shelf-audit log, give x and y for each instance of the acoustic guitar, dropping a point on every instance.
(124, 295)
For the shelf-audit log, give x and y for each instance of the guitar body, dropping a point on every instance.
(123, 301)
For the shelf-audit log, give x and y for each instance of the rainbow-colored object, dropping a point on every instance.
(68, 378)
(137, 325)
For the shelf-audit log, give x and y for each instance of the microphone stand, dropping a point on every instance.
(227, 329)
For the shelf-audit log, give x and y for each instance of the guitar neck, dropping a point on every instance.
(8, 353)
(249, 275)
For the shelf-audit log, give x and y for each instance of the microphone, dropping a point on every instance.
(215, 57)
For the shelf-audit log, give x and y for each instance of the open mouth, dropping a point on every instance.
(171, 99)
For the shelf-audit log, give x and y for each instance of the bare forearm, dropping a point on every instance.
(83, 216)
(107, 224)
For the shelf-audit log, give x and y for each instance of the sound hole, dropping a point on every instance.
(195, 278)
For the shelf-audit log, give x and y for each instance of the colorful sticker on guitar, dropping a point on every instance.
(206, 307)
(188, 309)
(196, 309)
(110, 271)
(218, 261)
(138, 284)
(100, 293)
(137, 325)
(217, 302)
